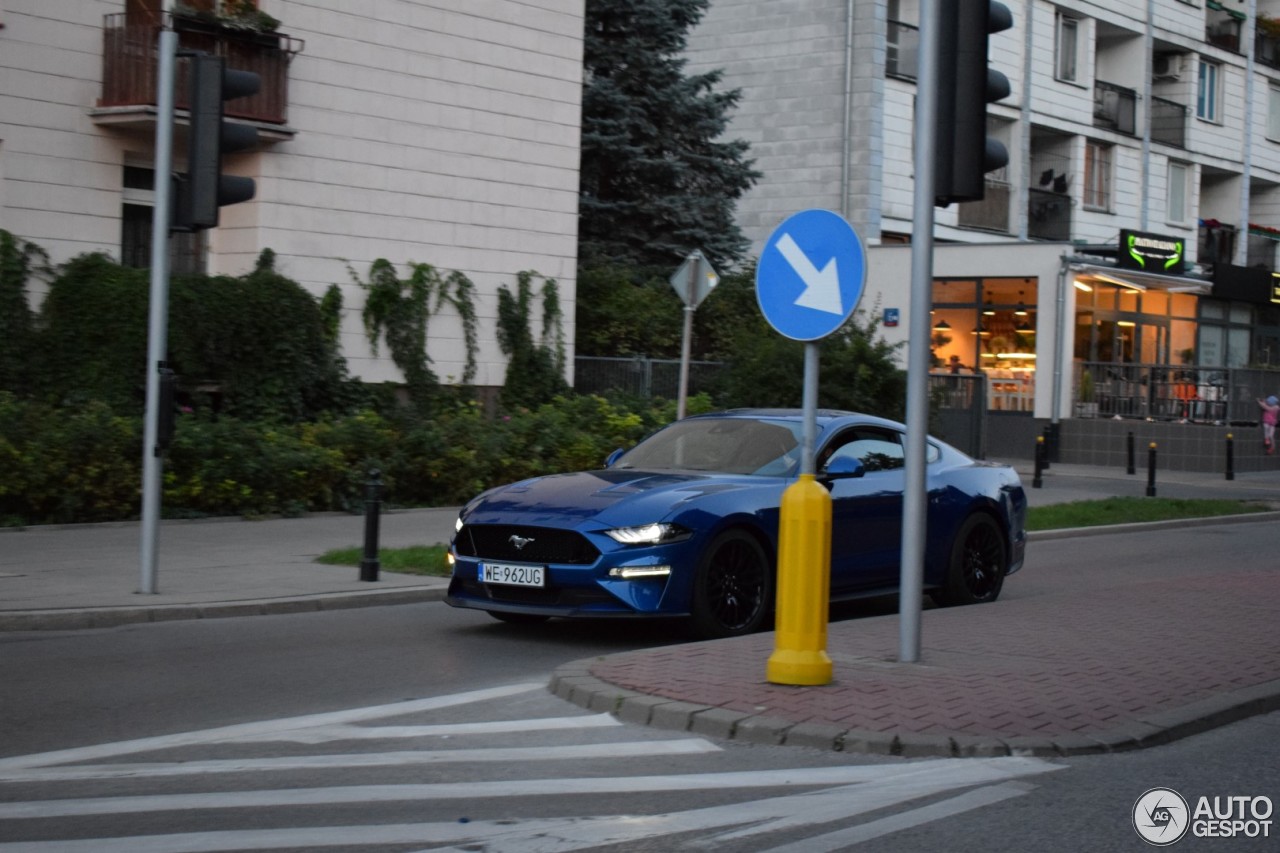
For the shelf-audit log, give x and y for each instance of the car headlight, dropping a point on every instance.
(648, 534)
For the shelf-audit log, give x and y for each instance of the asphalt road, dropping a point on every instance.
(237, 699)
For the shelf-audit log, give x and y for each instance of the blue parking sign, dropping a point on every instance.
(810, 275)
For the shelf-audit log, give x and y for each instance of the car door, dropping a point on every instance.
(866, 511)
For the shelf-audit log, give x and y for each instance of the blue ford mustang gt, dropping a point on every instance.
(686, 524)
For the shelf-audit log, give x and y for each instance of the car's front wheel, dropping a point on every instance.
(978, 562)
(733, 590)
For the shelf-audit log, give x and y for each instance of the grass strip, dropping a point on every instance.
(1119, 510)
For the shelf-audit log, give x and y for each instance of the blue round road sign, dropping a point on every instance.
(810, 275)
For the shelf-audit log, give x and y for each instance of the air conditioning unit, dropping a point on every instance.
(1167, 66)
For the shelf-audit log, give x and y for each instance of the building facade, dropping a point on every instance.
(417, 131)
(1136, 132)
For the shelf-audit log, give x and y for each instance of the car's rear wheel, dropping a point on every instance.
(518, 618)
(978, 563)
(733, 590)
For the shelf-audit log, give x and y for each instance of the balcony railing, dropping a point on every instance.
(129, 64)
(904, 50)
(1168, 122)
(1114, 107)
(1224, 32)
(989, 214)
(1048, 215)
(1266, 50)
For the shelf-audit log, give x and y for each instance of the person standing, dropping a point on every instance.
(1270, 408)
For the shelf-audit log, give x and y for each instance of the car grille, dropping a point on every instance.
(541, 544)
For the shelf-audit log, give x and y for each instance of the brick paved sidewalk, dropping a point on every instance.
(1135, 665)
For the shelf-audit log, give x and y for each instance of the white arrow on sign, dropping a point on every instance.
(821, 287)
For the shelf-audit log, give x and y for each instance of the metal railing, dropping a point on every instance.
(1048, 215)
(1162, 392)
(903, 54)
(129, 64)
(992, 212)
(1114, 107)
(640, 377)
(1169, 122)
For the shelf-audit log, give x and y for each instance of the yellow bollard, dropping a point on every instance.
(804, 586)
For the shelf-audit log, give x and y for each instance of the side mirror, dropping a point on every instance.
(613, 457)
(843, 468)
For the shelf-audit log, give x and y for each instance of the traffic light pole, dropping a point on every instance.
(157, 327)
(911, 590)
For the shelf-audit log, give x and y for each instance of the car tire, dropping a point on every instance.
(733, 589)
(978, 562)
(519, 618)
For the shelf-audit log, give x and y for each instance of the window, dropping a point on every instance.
(1097, 176)
(1207, 90)
(1273, 113)
(186, 251)
(1066, 48)
(1177, 203)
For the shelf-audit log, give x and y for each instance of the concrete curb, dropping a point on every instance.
(110, 617)
(574, 683)
(1104, 529)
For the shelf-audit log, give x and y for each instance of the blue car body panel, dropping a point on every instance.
(563, 519)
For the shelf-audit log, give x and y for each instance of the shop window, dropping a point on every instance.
(1097, 176)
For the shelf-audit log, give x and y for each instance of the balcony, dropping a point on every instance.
(1223, 32)
(1168, 122)
(129, 68)
(992, 212)
(903, 51)
(1114, 107)
(1048, 215)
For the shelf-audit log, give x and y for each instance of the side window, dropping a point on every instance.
(877, 449)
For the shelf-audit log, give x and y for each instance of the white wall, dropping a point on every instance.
(436, 131)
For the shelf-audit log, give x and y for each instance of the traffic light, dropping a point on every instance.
(204, 188)
(965, 85)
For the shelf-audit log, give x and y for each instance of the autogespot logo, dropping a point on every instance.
(1161, 817)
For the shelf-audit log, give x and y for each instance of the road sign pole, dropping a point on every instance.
(911, 583)
(686, 340)
(804, 560)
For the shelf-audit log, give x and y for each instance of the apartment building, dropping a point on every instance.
(417, 131)
(1132, 236)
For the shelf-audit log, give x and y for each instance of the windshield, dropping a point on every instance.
(728, 445)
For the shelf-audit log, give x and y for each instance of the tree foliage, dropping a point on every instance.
(656, 179)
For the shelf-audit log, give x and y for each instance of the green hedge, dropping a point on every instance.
(83, 464)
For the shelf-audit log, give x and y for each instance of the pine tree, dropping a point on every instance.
(657, 181)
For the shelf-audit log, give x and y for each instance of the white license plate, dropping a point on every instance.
(513, 575)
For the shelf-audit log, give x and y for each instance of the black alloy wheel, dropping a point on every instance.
(733, 590)
(978, 564)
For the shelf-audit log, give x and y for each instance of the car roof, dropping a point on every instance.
(823, 416)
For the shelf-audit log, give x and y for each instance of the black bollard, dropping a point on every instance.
(1151, 471)
(1046, 439)
(1131, 469)
(370, 564)
(1231, 457)
(1037, 481)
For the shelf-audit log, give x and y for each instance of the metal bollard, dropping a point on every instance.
(1231, 457)
(370, 564)
(1037, 481)
(1131, 469)
(1046, 439)
(1151, 470)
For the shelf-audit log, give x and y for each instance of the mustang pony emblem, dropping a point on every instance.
(518, 541)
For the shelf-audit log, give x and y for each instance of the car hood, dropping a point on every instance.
(610, 497)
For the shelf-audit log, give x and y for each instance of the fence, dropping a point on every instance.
(640, 377)
(1218, 395)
